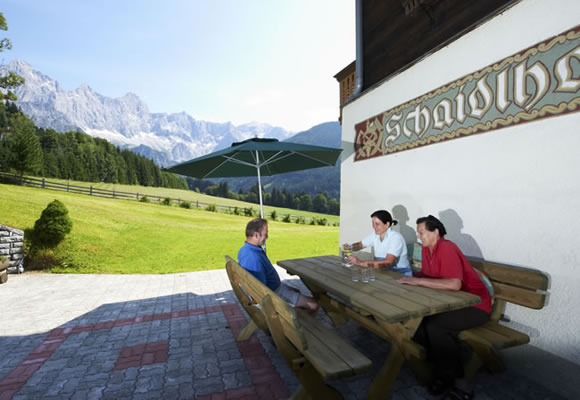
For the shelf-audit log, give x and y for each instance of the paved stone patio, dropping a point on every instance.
(172, 337)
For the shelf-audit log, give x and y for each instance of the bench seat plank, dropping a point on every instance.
(499, 336)
(328, 353)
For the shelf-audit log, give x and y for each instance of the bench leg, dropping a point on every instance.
(312, 385)
(484, 351)
(471, 367)
(300, 394)
(383, 382)
(247, 331)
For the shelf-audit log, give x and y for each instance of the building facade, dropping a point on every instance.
(482, 131)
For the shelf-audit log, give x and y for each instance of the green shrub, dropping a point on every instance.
(166, 201)
(287, 218)
(185, 204)
(312, 221)
(300, 220)
(237, 211)
(249, 212)
(41, 259)
(211, 207)
(274, 215)
(144, 199)
(52, 226)
(321, 221)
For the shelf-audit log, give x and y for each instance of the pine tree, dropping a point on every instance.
(320, 203)
(52, 226)
(26, 153)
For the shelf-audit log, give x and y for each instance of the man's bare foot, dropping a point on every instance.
(308, 303)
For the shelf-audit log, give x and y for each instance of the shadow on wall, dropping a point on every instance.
(454, 224)
(400, 214)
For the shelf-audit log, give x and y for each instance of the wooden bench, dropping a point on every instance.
(312, 350)
(243, 287)
(522, 286)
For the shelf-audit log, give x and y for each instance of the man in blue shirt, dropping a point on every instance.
(253, 258)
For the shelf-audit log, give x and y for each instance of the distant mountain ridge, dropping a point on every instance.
(167, 139)
(126, 121)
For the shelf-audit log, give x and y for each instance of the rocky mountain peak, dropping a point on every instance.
(126, 121)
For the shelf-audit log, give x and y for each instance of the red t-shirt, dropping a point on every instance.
(449, 262)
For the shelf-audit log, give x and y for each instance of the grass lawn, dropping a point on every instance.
(121, 236)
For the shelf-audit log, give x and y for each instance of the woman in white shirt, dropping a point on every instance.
(390, 247)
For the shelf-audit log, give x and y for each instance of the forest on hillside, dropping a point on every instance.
(28, 149)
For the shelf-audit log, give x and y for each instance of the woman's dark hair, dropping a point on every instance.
(384, 216)
(432, 223)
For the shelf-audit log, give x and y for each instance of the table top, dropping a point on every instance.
(384, 298)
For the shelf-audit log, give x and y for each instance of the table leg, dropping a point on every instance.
(402, 348)
(335, 314)
(332, 309)
(383, 382)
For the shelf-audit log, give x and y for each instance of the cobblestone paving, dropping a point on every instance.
(167, 337)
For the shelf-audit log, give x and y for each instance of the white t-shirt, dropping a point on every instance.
(394, 244)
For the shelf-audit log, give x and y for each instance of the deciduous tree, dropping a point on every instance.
(10, 80)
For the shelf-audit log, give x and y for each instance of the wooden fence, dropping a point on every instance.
(42, 183)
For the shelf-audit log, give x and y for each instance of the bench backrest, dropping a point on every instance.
(523, 286)
(250, 292)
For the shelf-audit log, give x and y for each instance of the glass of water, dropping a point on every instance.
(346, 253)
(365, 274)
(355, 273)
(372, 275)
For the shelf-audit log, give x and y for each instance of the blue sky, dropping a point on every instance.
(269, 61)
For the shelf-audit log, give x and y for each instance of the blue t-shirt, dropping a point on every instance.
(253, 259)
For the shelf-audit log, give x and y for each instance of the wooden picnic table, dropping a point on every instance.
(391, 310)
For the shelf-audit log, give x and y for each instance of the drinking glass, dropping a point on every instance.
(372, 274)
(365, 272)
(355, 273)
(346, 253)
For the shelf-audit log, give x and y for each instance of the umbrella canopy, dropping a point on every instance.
(258, 157)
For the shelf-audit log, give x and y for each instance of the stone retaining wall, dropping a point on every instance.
(11, 245)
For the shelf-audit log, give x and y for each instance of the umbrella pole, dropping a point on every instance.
(259, 185)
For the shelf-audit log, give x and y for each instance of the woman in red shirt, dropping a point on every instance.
(443, 266)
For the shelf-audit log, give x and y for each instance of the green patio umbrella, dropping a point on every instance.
(261, 157)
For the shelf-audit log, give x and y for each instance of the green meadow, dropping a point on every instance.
(192, 196)
(129, 237)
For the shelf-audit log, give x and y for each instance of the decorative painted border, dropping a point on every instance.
(374, 137)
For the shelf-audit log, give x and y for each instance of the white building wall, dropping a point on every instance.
(510, 195)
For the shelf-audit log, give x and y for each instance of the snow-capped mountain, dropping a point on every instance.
(126, 121)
